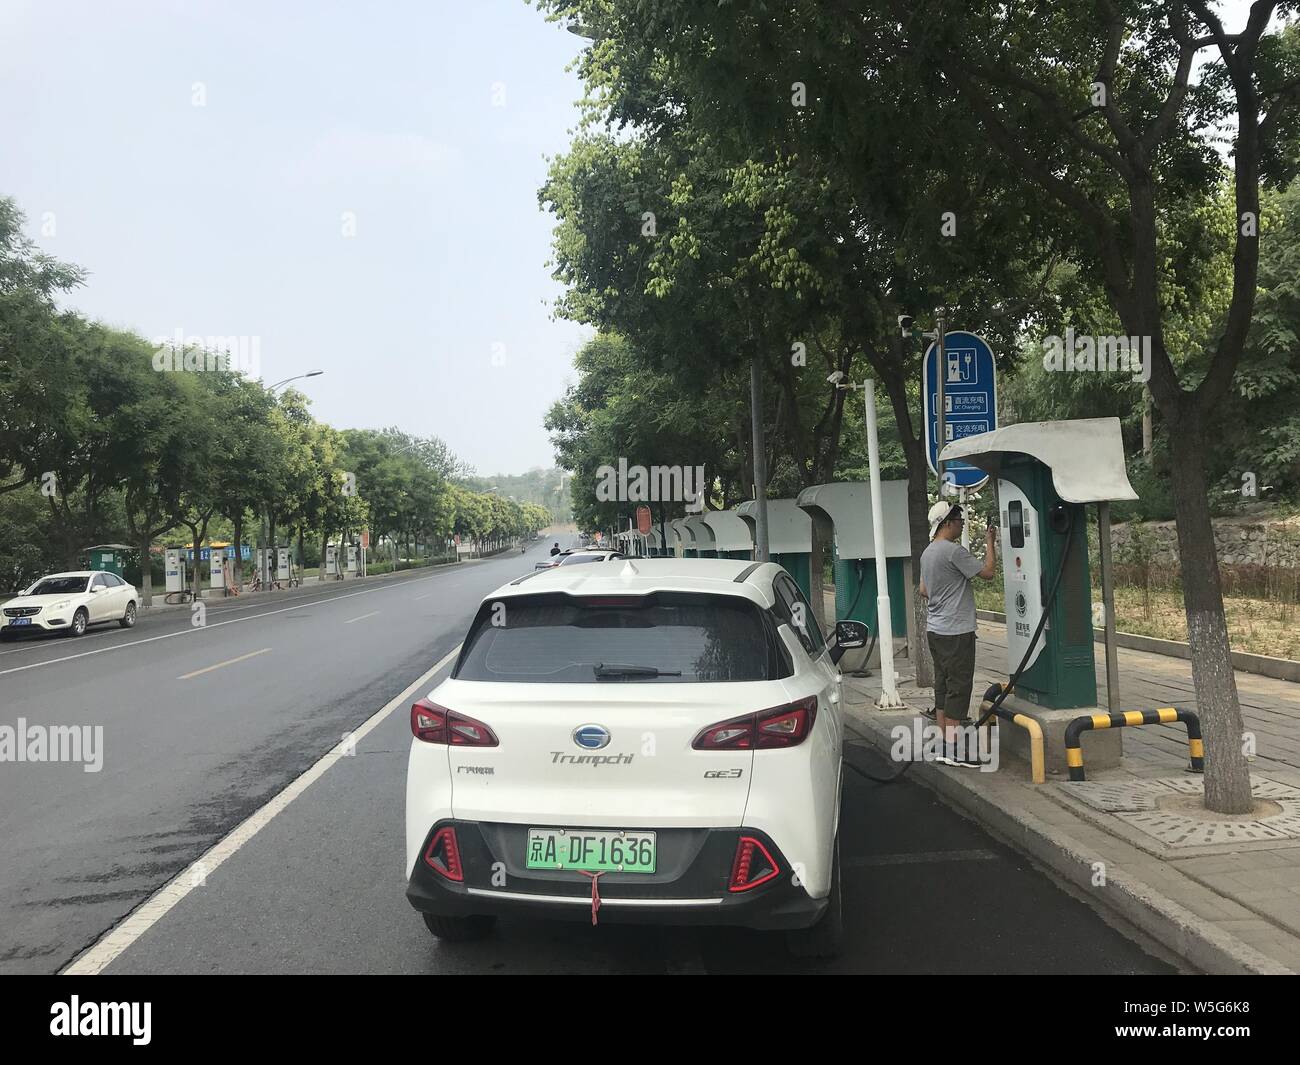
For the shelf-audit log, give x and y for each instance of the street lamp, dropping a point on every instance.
(888, 687)
(310, 373)
(264, 563)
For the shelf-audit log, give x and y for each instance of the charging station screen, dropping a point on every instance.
(1016, 523)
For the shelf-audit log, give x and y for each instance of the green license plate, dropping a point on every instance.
(591, 851)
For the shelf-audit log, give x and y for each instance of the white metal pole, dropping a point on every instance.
(888, 687)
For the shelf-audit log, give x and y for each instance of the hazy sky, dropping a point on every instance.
(203, 159)
(198, 159)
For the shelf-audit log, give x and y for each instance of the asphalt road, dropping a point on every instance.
(191, 750)
(319, 888)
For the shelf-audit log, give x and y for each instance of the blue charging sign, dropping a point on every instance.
(970, 401)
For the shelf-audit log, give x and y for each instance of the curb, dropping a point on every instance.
(1244, 661)
(1168, 922)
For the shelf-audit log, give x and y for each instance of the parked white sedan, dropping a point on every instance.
(70, 602)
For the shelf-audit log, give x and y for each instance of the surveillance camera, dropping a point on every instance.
(836, 378)
(905, 322)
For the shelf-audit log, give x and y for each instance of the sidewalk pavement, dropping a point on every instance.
(1223, 893)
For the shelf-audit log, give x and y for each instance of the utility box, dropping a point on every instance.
(174, 569)
(107, 557)
(353, 557)
(217, 562)
(284, 563)
(329, 565)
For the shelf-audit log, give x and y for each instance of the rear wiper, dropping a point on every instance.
(619, 670)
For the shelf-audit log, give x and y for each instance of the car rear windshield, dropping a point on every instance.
(664, 638)
(59, 586)
(578, 560)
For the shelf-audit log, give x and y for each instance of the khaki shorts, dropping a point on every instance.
(954, 673)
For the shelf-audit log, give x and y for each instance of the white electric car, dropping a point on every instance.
(650, 740)
(70, 602)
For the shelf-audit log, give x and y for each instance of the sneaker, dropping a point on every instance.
(932, 714)
(963, 759)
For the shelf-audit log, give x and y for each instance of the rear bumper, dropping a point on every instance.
(689, 888)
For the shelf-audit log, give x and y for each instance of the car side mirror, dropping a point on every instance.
(849, 635)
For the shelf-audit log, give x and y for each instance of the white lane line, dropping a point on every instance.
(101, 954)
(28, 645)
(213, 625)
(424, 596)
(220, 665)
(361, 618)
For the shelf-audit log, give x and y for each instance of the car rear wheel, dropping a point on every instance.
(825, 938)
(460, 929)
(79, 622)
(127, 620)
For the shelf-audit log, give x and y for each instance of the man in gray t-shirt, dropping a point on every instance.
(947, 570)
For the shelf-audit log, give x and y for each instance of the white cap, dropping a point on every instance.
(939, 513)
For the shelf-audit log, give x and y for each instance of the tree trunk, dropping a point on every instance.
(1227, 775)
(146, 571)
(239, 554)
(196, 574)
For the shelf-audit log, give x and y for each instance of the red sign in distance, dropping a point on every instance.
(643, 520)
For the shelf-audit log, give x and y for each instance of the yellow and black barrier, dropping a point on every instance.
(1036, 761)
(1164, 716)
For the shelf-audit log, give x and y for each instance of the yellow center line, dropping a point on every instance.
(228, 662)
(361, 618)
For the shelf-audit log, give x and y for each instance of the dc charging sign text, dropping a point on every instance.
(970, 401)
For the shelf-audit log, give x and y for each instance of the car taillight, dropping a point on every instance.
(436, 724)
(782, 726)
(787, 726)
(734, 735)
(753, 865)
(443, 855)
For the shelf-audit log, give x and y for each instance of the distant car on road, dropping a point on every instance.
(655, 742)
(70, 603)
(576, 558)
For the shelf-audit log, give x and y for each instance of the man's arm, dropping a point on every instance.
(990, 554)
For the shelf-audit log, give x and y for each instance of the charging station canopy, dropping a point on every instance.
(1085, 455)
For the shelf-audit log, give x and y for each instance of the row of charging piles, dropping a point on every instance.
(275, 566)
(840, 513)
